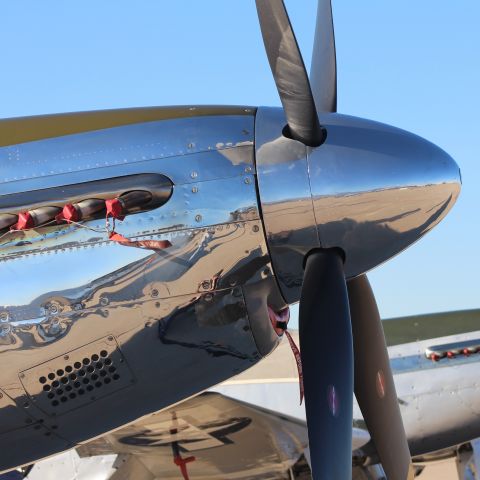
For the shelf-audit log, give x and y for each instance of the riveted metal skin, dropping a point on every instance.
(175, 321)
(370, 189)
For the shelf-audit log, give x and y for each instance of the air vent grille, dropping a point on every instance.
(79, 377)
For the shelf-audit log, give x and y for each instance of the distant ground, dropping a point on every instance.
(440, 470)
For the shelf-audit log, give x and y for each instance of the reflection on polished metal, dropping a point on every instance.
(158, 186)
(370, 189)
(259, 445)
(176, 321)
(88, 326)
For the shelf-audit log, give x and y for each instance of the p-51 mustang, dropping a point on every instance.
(224, 216)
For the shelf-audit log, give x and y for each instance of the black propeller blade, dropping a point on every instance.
(323, 73)
(374, 387)
(327, 362)
(331, 315)
(289, 72)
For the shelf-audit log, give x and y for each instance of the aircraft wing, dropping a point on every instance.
(218, 437)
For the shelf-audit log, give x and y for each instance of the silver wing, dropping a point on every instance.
(219, 438)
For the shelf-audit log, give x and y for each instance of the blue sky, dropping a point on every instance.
(412, 64)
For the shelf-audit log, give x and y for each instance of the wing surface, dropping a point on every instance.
(218, 436)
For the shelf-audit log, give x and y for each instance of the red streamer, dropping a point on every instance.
(298, 360)
(146, 244)
(279, 323)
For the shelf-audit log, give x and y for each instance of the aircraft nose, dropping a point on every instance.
(377, 189)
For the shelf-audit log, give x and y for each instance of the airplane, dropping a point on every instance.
(252, 426)
(152, 253)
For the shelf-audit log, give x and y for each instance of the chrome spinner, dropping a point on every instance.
(370, 189)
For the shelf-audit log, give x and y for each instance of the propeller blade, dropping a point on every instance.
(374, 387)
(323, 72)
(327, 361)
(289, 72)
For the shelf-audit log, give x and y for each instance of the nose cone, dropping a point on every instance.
(377, 189)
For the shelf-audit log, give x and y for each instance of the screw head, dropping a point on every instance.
(53, 309)
(5, 329)
(154, 293)
(198, 218)
(206, 285)
(248, 180)
(104, 301)
(255, 228)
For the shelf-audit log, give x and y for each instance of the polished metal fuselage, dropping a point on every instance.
(246, 206)
(175, 321)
